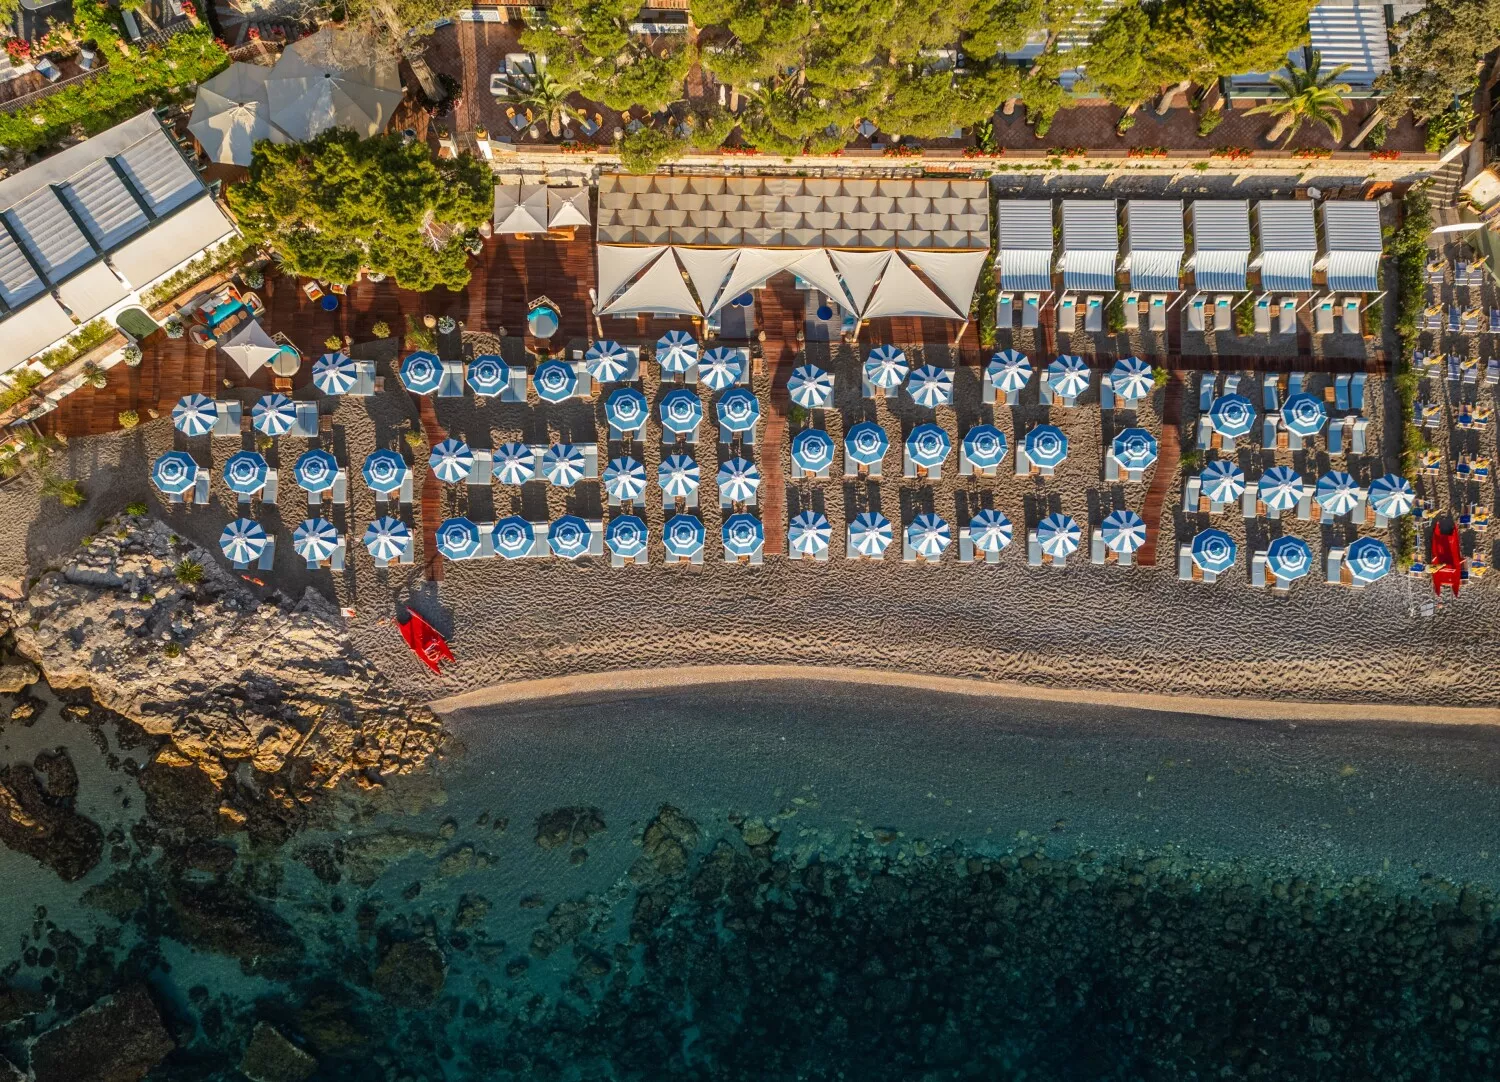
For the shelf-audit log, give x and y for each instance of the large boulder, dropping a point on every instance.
(270, 1057)
(37, 816)
(118, 1039)
(411, 973)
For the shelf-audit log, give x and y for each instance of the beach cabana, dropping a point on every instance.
(421, 372)
(1025, 245)
(810, 387)
(316, 471)
(175, 473)
(720, 368)
(624, 480)
(931, 386)
(246, 473)
(1123, 532)
(1304, 415)
(886, 367)
(683, 538)
(1066, 378)
(681, 413)
(335, 373)
(513, 537)
(927, 538)
(1280, 489)
(1231, 416)
(274, 414)
(808, 535)
(317, 540)
(927, 447)
(555, 380)
(744, 538)
(989, 532)
(1154, 244)
(386, 472)
(451, 460)
(1368, 560)
(1213, 553)
(1044, 448)
(1090, 244)
(1008, 373)
(458, 538)
(1352, 245)
(488, 375)
(1222, 481)
(866, 444)
(812, 451)
(626, 537)
(1391, 496)
(243, 542)
(514, 464)
(678, 476)
(1131, 380)
(570, 537)
(870, 535)
(609, 362)
(626, 411)
(195, 415)
(1337, 493)
(1220, 259)
(738, 412)
(676, 351)
(387, 539)
(1286, 245)
(983, 448)
(1288, 559)
(563, 464)
(1058, 536)
(738, 480)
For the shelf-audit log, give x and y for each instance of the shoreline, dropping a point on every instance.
(680, 677)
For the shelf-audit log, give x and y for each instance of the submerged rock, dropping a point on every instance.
(43, 824)
(17, 673)
(411, 973)
(568, 827)
(118, 1039)
(270, 1057)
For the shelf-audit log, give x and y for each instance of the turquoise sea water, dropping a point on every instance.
(789, 882)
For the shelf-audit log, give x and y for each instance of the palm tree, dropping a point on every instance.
(1308, 94)
(546, 97)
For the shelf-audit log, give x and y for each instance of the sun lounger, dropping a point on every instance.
(1232, 383)
(1357, 435)
(1455, 373)
(340, 491)
(451, 383)
(1341, 392)
(1205, 432)
(483, 470)
(1192, 492)
(1294, 383)
(200, 488)
(1023, 461)
(1184, 563)
(1044, 388)
(1067, 314)
(1323, 316)
(1471, 320)
(1196, 308)
(268, 494)
(1096, 547)
(1005, 317)
(1033, 550)
(1470, 370)
(1249, 502)
(1258, 569)
(306, 422)
(965, 546)
(231, 418)
(365, 381)
(1336, 566)
(590, 460)
(1454, 319)
(1223, 314)
(1349, 313)
(1304, 505)
(596, 537)
(1270, 393)
(539, 547)
(515, 390)
(1206, 384)
(1288, 315)
(1263, 316)
(268, 557)
(1132, 310)
(1111, 467)
(1031, 311)
(1495, 320)
(1336, 436)
(1093, 317)
(1106, 392)
(1269, 425)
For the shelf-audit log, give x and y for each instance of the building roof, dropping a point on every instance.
(1154, 225)
(1024, 227)
(1090, 225)
(1285, 225)
(1347, 32)
(1220, 225)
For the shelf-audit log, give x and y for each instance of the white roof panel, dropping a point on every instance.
(1154, 225)
(18, 282)
(1353, 34)
(902, 293)
(31, 329)
(618, 265)
(157, 170)
(1156, 271)
(1352, 226)
(1286, 272)
(1221, 225)
(860, 271)
(1024, 223)
(91, 291)
(1285, 225)
(1090, 225)
(55, 242)
(105, 206)
(179, 238)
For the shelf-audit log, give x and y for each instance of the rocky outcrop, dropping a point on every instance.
(411, 973)
(37, 816)
(270, 1057)
(118, 1039)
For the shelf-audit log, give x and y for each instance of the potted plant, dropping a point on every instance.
(333, 343)
(446, 325)
(131, 355)
(174, 326)
(253, 277)
(381, 329)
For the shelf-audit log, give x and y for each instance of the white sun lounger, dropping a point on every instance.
(1223, 314)
(268, 494)
(1184, 563)
(1196, 308)
(1093, 315)
(1096, 546)
(1288, 315)
(539, 546)
(1258, 570)
(200, 487)
(364, 380)
(483, 471)
(1033, 550)
(231, 418)
(1192, 492)
(1031, 311)
(1336, 435)
(1323, 316)
(1067, 314)
(1248, 501)
(1132, 309)
(306, 421)
(1106, 392)
(1206, 382)
(1304, 505)
(1349, 311)
(1005, 317)
(1268, 429)
(1263, 315)
(515, 390)
(1335, 566)
(268, 557)
(1158, 313)
(451, 383)
(1357, 435)
(1357, 392)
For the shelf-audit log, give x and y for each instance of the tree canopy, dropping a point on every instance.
(588, 45)
(1437, 62)
(339, 203)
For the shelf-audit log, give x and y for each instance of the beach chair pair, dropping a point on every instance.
(338, 494)
(266, 560)
(407, 557)
(267, 493)
(909, 468)
(197, 495)
(305, 420)
(335, 562)
(1432, 318)
(966, 551)
(231, 418)
(482, 473)
(1027, 468)
(515, 389)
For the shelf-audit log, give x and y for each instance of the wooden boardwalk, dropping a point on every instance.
(432, 492)
(1169, 455)
(782, 316)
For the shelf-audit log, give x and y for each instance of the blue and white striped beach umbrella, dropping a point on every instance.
(555, 380)
(985, 446)
(931, 386)
(738, 410)
(1280, 488)
(607, 361)
(676, 351)
(626, 409)
(1392, 495)
(1131, 379)
(743, 534)
(451, 460)
(810, 387)
(1304, 415)
(1231, 415)
(515, 463)
(316, 539)
(421, 372)
(387, 538)
(385, 471)
(335, 373)
(678, 475)
(625, 479)
(1369, 560)
(1222, 481)
(1289, 558)
(928, 445)
(720, 368)
(683, 536)
(809, 533)
(1058, 535)
(1134, 449)
(458, 538)
(738, 480)
(195, 415)
(1009, 370)
(1214, 551)
(513, 537)
(681, 411)
(870, 534)
(1337, 492)
(1046, 446)
(316, 470)
(1068, 375)
(174, 472)
(866, 443)
(990, 530)
(929, 535)
(812, 450)
(274, 414)
(626, 535)
(488, 375)
(1123, 531)
(563, 465)
(243, 541)
(246, 472)
(568, 537)
(886, 366)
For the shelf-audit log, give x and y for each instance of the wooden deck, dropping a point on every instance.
(782, 317)
(1169, 455)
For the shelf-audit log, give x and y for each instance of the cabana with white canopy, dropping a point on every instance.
(1286, 244)
(1025, 244)
(1352, 246)
(1091, 244)
(1154, 245)
(1220, 258)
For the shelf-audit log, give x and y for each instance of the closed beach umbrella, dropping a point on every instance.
(743, 534)
(1058, 535)
(385, 471)
(1214, 551)
(1369, 560)
(1131, 379)
(1392, 495)
(1068, 375)
(195, 415)
(738, 480)
(174, 472)
(681, 411)
(488, 375)
(866, 443)
(928, 445)
(243, 541)
(246, 472)
(931, 386)
(1289, 558)
(607, 361)
(1123, 531)
(625, 479)
(985, 446)
(626, 409)
(1134, 449)
(513, 537)
(1337, 492)
(451, 460)
(870, 534)
(990, 530)
(810, 387)
(886, 366)
(1231, 415)
(1304, 415)
(387, 538)
(568, 537)
(678, 475)
(555, 381)
(1009, 370)
(562, 465)
(626, 535)
(458, 538)
(812, 450)
(682, 536)
(335, 373)
(273, 415)
(738, 410)
(809, 533)
(1046, 446)
(421, 372)
(515, 463)
(720, 368)
(1280, 488)
(316, 470)
(1222, 481)
(929, 535)
(315, 539)
(676, 351)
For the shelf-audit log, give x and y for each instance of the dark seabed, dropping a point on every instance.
(786, 882)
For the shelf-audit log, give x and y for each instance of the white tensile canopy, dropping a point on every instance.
(251, 347)
(232, 113)
(333, 79)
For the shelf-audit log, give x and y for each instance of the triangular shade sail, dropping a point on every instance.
(660, 289)
(954, 273)
(709, 269)
(861, 270)
(618, 264)
(902, 293)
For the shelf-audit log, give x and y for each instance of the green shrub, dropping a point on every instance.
(414, 438)
(1124, 124)
(129, 418)
(172, 649)
(1209, 121)
(95, 376)
(22, 384)
(83, 340)
(419, 336)
(381, 329)
(1114, 314)
(136, 508)
(64, 490)
(333, 342)
(1244, 318)
(646, 149)
(132, 356)
(188, 572)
